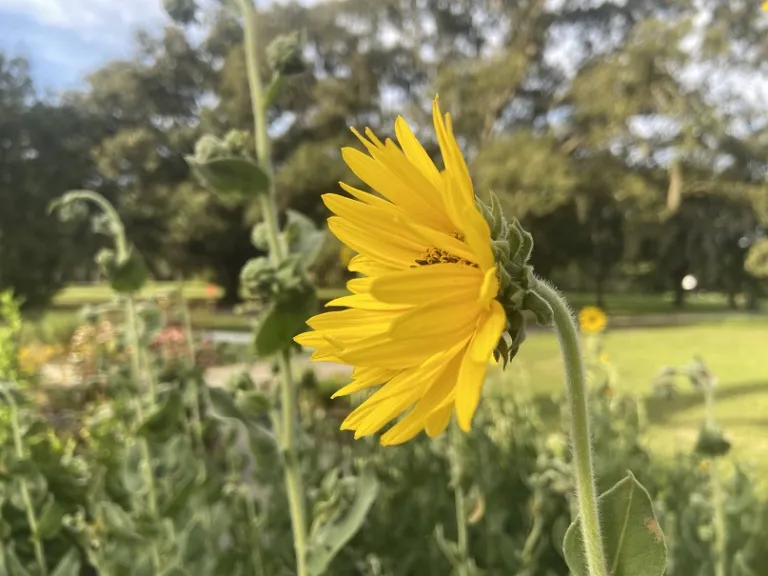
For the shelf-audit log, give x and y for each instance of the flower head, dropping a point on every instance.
(346, 254)
(423, 319)
(592, 320)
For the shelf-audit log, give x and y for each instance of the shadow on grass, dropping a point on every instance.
(660, 410)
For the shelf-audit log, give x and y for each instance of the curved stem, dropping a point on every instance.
(118, 230)
(586, 493)
(277, 253)
(459, 498)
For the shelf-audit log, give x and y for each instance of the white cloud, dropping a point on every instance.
(92, 15)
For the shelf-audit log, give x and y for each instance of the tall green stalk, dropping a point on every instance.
(277, 253)
(460, 501)
(719, 523)
(146, 456)
(586, 493)
(25, 495)
(138, 359)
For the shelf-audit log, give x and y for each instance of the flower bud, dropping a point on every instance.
(209, 147)
(284, 55)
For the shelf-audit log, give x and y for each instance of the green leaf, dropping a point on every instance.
(69, 565)
(223, 405)
(119, 522)
(50, 519)
(14, 565)
(328, 540)
(132, 477)
(740, 566)
(130, 275)
(633, 542)
(182, 491)
(283, 320)
(231, 175)
(303, 238)
(175, 571)
(254, 403)
(164, 421)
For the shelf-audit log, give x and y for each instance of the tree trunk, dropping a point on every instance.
(229, 280)
(600, 290)
(679, 301)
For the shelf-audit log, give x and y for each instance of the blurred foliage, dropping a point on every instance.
(221, 505)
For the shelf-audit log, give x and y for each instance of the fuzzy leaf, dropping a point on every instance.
(740, 566)
(223, 405)
(182, 491)
(14, 565)
(633, 542)
(69, 565)
(328, 540)
(229, 176)
(50, 519)
(130, 275)
(165, 420)
(303, 238)
(283, 320)
(119, 522)
(254, 403)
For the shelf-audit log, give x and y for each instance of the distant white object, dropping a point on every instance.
(689, 282)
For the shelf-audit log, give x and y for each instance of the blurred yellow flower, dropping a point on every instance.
(592, 320)
(34, 356)
(765, 6)
(705, 464)
(604, 359)
(423, 322)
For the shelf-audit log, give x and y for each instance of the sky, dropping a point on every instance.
(66, 39)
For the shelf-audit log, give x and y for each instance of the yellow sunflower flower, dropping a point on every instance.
(592, 320)
(423, 321)
(346, 254)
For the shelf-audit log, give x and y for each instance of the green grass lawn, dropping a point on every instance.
(733, 349)
(76, 296)
(733, 346)
(624, 308)
(80, 295)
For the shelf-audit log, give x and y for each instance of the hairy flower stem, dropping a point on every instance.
(197, 419)
(25, 496)
(455, 456)
(718, 523)
(292, 472)
(146, 457)
(586, 494)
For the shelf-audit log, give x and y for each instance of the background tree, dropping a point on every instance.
(43, 152)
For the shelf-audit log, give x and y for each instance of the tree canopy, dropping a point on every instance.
(620, 133)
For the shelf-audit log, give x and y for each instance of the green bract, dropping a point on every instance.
(512, 247)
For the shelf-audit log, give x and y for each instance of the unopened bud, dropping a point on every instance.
(284, 55)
